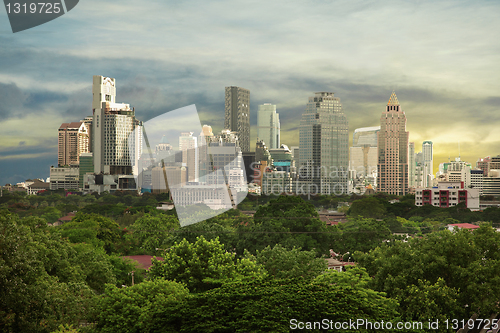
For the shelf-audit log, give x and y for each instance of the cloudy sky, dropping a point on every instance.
(442, 58)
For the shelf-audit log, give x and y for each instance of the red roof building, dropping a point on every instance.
(452, 227)
(143, 261)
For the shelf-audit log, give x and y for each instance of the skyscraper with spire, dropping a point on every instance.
(393, 141)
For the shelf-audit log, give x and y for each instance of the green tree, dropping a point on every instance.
(154, 232)
(202, 264)
(360, 234)
(369, 207)
(131, 309)
(93, 229)
(289, 221)
(283, 263)
(41, 285)
(465, 262)
(269, 305)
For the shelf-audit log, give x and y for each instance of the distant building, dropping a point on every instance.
(67, 178)
(468, 226)
(268, 125)
(428, 163)
(73, 140)
(411, 165)
(488, 163)
(237, 115)
(116, 152)
(456, 171)
(363, 156)
(393, 168)
(491, 184)
(448, 194)
(323, 141)
(37, 186)
(276, 183)
(86, 167)
(282, 158)
(476, 180)
(188, 144)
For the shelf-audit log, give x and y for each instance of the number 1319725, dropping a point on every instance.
(34, 8)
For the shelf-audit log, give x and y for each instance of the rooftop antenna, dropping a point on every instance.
(459, 150)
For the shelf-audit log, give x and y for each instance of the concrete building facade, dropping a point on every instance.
(73, 140)
(237, 114)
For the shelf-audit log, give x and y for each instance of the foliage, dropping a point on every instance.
(268, 305)
(122, 267)
(289, 221)
(131, 309)
(369, 207)
(282, 263)
(455, 273)
(41, 282)
(153, 232)
(360, 234)
(93, 229)
(202, 264)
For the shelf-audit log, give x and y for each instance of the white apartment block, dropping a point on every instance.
(448, 194)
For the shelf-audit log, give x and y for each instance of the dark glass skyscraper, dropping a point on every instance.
(323, 142)
(237, 115)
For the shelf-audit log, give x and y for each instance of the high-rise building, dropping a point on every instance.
(116, 151)
(393, 149)
(73, 140)
(411, 165)
(188, 144)
(419, 169)
(237, 115)
(268, 125)
(323, 141)
(428, 165)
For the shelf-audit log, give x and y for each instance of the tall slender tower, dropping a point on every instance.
(393, 150)
(411, 165)
(323, 141)
(428, 164)
(237, 115)
(268, 125)
(115, 150)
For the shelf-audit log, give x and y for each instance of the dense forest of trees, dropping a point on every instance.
(237, 273)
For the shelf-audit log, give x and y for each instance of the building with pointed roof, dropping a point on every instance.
(73, 140)
(393, 139)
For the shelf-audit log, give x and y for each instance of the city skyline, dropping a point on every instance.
(443, 69)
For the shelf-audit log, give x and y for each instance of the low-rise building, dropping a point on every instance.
(448, 194)
(67, 178)
(454, 226)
